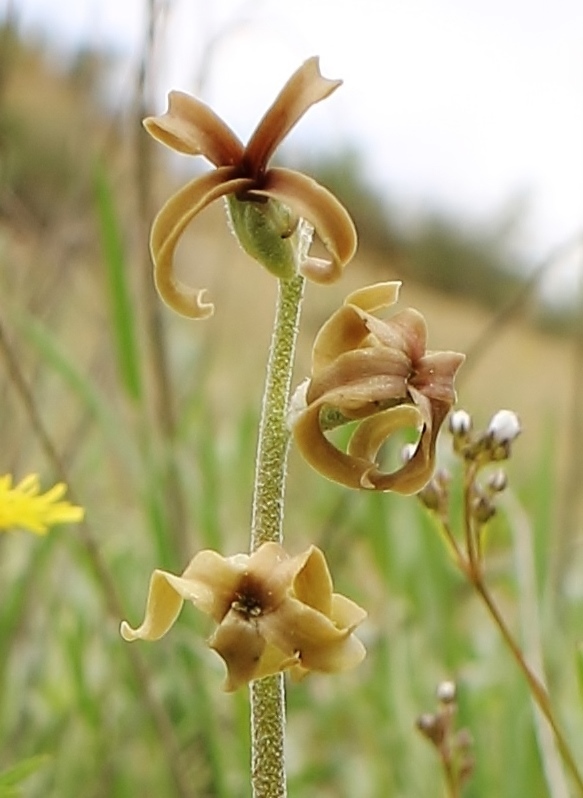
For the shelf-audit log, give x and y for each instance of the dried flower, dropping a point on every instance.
(274, 612)
(378, 373)
(265, 204)
(24, 506)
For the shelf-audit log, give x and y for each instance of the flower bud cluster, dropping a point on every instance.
(454, 746)
(485, 446)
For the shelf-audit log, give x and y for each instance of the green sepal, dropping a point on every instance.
(268, 232)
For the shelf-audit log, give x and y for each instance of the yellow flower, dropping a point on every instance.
(378, 373)
(24, 506)
(265, 204)
(274, 612)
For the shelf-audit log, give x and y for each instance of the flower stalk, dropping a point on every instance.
(267, 695)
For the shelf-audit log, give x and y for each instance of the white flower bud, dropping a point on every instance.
(460, 423)
(446, 692)
(504, 427)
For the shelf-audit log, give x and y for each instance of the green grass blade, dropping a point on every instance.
(119, 292)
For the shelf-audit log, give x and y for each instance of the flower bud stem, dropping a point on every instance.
(267, 695)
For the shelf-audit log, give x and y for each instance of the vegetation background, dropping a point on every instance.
(152, 420)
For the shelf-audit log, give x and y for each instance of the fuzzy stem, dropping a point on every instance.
(267, 695)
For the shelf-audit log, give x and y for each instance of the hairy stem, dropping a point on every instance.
(267, 695)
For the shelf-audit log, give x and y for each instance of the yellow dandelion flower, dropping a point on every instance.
(25, 507)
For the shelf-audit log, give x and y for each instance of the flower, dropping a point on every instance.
(273, 611)
(265, 204)
(504, 427)
(377, 373)
(26, 507)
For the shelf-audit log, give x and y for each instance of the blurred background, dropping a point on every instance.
(455, 142)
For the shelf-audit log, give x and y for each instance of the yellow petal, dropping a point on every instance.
(191, 127)
(162, 609)
(305, 88)
(331, 221)
(346, 614)
(168, 227)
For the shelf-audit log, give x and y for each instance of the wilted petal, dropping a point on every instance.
(305, 88)
(168, 227)
(191, 127)
(162, 609)
(331, 221)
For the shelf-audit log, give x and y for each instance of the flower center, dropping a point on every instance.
(247, 604)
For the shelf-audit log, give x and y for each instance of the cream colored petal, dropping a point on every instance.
(211, 581)
(321, 645)
(346, 614)
(375, 297)
(168, 227)
(162, 609)
(239, 642)
(312, 584)
(274, 661)
(305, 88)
(344, 331)
(331, 221)
(191, 127)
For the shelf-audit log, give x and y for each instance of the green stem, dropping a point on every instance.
(267, 695)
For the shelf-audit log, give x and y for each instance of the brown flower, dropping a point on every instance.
(378, 373)
(265, 204)
(273, 612)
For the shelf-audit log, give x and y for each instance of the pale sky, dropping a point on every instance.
(462, 104)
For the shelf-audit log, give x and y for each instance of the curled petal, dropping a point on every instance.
(191, 127)
(331, 221)
(322, 455)
(346, 614)
(162, 609)
(406, 331)
(344, 331)
(168, 227)
(374, 431)
(305, 88)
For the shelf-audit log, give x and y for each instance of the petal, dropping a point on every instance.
(346, 613)
(272, 571)
(323, 456)
(305, 88)
(168, 227)
(374, 431)
(211, 581)
(321, 645)
(239, 642)
(191, 127)
(406, 331)
(321, 209)
(434, 375)
(312, 584)
(362, 376)
(375, 297)
(162, 609)
(345, 330)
